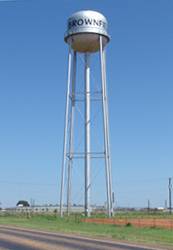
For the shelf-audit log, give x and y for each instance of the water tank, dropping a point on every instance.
(84, 29)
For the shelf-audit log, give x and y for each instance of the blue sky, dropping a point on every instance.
(33, 74)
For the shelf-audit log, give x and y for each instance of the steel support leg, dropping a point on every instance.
(71, 136)
(108, 136)
(65, 132)
(106, 128)
(87, 135)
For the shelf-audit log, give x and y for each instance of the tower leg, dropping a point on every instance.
(71, 136)
(106, 132)
(108, 136)
(65, 132)
(87, 135)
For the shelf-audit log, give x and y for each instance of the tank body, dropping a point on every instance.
(84, 29)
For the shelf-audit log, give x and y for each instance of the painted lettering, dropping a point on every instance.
(95, 22)
(86, 21)
(80, 22)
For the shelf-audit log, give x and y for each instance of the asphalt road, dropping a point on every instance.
(25, 239)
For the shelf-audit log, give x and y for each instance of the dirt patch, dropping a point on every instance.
(141, 222)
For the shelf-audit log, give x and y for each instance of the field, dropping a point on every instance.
(74, 224)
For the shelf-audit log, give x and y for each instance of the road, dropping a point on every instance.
(12, 238)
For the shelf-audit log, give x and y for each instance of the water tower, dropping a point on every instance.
(86, 36)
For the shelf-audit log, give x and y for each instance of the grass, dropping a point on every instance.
(73, 224)
(138, 214)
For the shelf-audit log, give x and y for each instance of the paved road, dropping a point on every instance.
(12, 238)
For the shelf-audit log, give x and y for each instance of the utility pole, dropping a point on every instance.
(166, 206)
(170, 195)
(148, 208)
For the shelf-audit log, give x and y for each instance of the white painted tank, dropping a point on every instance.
(84, 29)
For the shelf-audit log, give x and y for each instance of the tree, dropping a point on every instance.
(22, 203)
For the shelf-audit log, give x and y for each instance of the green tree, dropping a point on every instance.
(23, 203)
